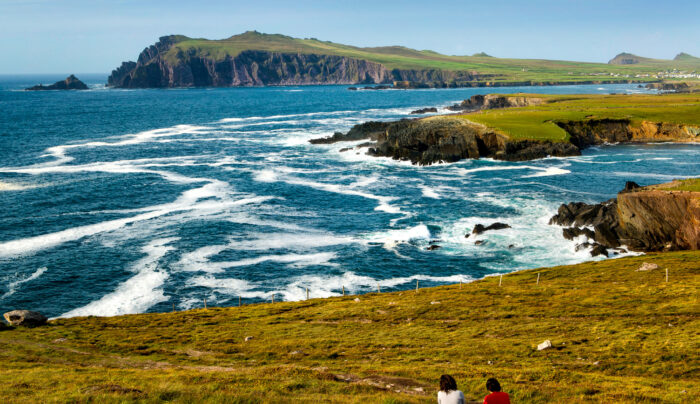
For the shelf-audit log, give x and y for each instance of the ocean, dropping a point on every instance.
(131, 201)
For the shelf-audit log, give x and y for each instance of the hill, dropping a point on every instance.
(618, 335)
(686, 57)
(257, 59)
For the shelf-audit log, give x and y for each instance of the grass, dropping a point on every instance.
(398, 57)
(539, 122)
(690, 185)
(619, 336)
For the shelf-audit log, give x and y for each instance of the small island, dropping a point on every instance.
(70, 83)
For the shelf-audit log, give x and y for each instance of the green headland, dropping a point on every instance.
(617, 334)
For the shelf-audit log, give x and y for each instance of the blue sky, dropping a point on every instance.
(81, 36)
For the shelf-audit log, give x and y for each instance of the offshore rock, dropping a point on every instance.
(25, 318)
(70, 83)
(480, 228)
(369, 130)
(424, 111)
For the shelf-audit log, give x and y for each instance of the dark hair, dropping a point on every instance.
(447, 383)
(493, 385)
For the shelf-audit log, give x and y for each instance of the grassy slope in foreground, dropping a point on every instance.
(399, 57)
(538, 122)
(619, 336)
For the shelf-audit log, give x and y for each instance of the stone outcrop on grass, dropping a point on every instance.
(25, 318)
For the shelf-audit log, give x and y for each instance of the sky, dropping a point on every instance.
(95, 36)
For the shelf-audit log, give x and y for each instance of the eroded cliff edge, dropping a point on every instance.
(450, 138)
(663, 217)
(157, 67)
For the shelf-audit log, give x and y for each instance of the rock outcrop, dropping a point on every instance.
(70, 83)
(25, 318)
(424, 111)
(668, 86)
(597, 131)
(656, 218)
(494, 101)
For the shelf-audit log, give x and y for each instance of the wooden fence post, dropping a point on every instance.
(239, 301)
(538, 278)
(378, 289)
(416, 285)
(205, 303)
(666, 274)
(343, 290)
(307, 293)
(500, 280)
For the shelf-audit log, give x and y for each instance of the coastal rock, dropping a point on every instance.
(599, 131)
(545, 345)
(424, 111)
(433, 247)
(369, 130)
(70, 83)
(598, 250)
(494, 101)
(25, 318)
(647, 266)
(480, 228)
(655, 218)
(667, 86)
(571, 233)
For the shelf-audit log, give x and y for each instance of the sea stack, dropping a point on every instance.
(70, 83)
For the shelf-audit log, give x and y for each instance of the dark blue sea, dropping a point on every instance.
(130, 201)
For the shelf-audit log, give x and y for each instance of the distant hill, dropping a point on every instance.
(686, 57)
(482, 55)
(626, 59)
(257, 59)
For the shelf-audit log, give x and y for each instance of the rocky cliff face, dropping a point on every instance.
(445, 139)
(597, 131)
(643, 219)
(260, 68)
(494, 101)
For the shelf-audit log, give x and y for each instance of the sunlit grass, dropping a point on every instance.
(619, 336)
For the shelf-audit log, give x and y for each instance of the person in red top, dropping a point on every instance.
(496, 396)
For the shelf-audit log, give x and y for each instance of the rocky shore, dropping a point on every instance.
(450, 138)
(655, 218)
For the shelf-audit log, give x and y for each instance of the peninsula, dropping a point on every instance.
(257, 59)
(521, 127)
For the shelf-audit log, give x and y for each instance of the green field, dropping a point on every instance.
(538, 122)
(690, 185)
(618, 335)
(397, 57)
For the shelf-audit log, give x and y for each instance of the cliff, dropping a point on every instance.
(657, 218)
(161, 65)
(70, 83)
(584, 133)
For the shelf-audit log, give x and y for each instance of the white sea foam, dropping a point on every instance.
(187, 201)
(429, 192)
(391, 238)
(384, 202)
(549, 171)
(138, 293)
(12, 286)
(10, 186)
(198, 261)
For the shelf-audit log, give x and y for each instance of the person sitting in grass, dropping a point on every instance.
(496, 396)
(448, 393)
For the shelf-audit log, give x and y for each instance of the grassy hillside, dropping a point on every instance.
(619, 335)
(398, 57)
(537, 122)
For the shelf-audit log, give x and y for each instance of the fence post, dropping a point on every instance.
(307, 293)
(205, 303)
(538, 278)
(666, 274)
(239, 301)
(273, 298)
(343, 290)
(378, 289)
(416, 285)
(460, 284)
(500, 280)
(173, 307)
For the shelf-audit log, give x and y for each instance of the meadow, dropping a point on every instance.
(618, 335)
